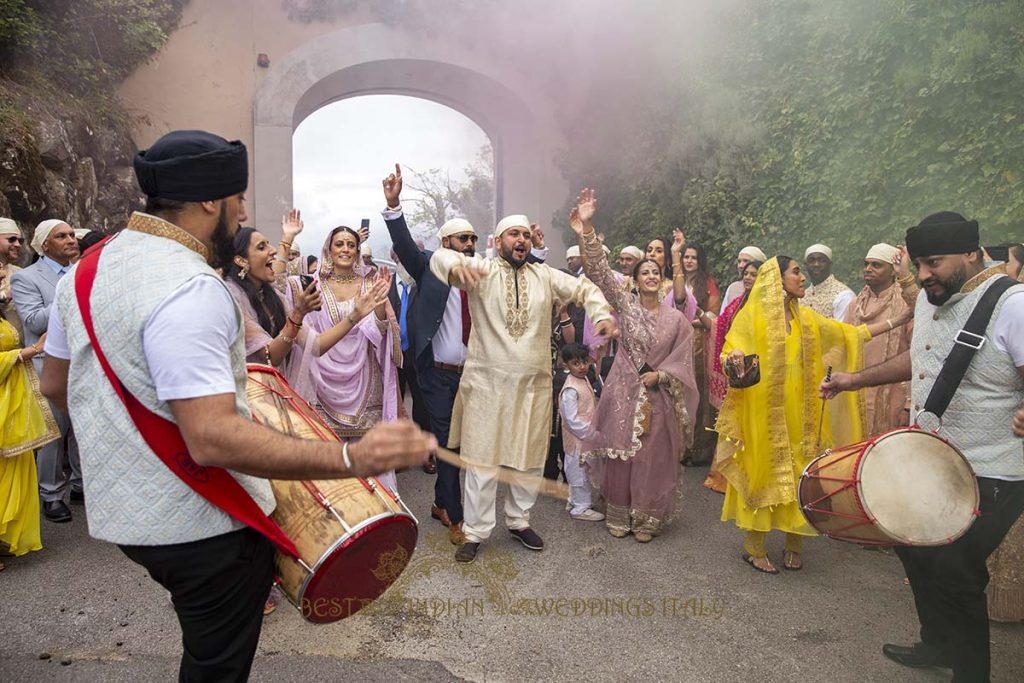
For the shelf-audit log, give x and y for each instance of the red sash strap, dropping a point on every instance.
(164, 438)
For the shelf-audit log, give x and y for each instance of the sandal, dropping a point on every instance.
(751, 560)
(792, 561)
(269, 606)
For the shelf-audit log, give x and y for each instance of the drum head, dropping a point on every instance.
(918, 488)
(358, 570)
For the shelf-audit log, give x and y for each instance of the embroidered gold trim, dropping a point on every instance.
(517, 317)
(982, 277)
(158, 227)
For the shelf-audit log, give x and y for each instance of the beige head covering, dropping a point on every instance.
(818, 249)
(455, 226)
(81, 232)
(754, 254)
(632, 251)
(883, 252)
(43, 231)
(366, 250)
(9, 227)
(573, 251)
(517, 220)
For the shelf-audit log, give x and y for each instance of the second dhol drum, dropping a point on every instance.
(905, 487)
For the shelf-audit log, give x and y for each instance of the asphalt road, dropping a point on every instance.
(589, 607)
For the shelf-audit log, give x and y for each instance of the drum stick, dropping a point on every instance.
(821, 418)
(547, 487)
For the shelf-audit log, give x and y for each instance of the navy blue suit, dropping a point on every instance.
(438, 386)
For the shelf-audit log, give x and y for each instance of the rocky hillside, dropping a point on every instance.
(65, 147)
(59, 160)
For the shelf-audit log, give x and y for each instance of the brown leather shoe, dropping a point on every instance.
(431, 466)
(440, 514)
(456, 535)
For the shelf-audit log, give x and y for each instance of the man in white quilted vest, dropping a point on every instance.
(174, 338)
(985, 420)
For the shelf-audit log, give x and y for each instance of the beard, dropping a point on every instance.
(510, 256)
(469, 250)
(950, 287)
(222, 240)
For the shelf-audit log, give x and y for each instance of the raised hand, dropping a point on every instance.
(291, 225)
(375, 296)
(586, 205)
(574, 221)
(536, 236)
(650, 379)
(901, 261)
(678, 242)
(393, 187)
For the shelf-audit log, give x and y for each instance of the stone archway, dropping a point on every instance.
(374, 59)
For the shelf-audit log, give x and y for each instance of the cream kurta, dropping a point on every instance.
(502, 413)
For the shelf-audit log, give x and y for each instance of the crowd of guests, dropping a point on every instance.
(634, 380)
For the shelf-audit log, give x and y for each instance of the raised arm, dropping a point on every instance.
(291, 226)
(458, 270)
(413, 260)
(595, 261)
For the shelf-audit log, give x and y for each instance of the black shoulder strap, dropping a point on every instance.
(968, 341)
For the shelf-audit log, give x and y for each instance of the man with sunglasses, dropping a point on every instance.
(11, 240)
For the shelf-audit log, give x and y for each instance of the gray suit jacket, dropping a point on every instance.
(32, 289)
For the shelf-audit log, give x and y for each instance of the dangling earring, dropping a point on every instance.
(243, 272)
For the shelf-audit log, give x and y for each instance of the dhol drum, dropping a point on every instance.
(905, 487)
(354, 535)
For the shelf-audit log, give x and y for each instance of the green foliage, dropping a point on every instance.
(816, 120)
(18, 24)
(83, 47)
(878, 113)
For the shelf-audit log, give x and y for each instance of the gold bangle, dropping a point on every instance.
(284, 243)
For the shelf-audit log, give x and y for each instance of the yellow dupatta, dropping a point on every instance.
(756, 452)
(27, 420)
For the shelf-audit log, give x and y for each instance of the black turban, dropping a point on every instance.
(192, 166)
(943, 233)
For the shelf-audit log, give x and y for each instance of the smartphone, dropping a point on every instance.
(998, 253)
(364, 224)
(306, 281)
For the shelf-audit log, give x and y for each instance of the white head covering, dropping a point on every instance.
(454, 227)
(366, 250)
(632, 251)
(818, 249)
(9, 227)
(886, 253)
(517, 220)
(753, 253)
(81, 232)
(573, 251)
(606, 250)
(43, 231)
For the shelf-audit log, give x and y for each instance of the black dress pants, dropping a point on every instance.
(407, 378)
(219, 586)
(949, 582)
(439, 388)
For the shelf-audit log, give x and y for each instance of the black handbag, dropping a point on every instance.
(751, 372)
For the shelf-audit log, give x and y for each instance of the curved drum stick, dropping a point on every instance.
(821, 418)
(547, 487)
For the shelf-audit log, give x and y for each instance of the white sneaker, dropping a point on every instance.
(589, 515)
(568, 506)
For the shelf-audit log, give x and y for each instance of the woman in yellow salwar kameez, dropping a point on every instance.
(770, 431)
(27, 423)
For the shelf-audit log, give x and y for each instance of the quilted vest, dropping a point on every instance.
(134, 499)
(978, 418)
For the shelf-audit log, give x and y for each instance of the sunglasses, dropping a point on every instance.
(11, 239)
(467, 238)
